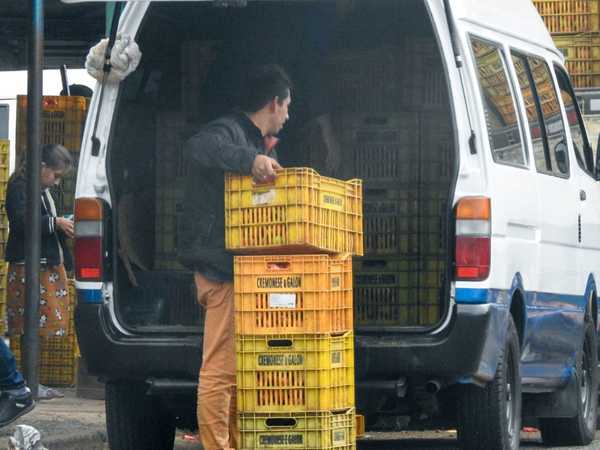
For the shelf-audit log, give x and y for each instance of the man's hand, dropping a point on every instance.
(263, 169)
(66, 226)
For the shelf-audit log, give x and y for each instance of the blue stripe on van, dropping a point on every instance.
(479, 296)
(471, 296)
(89, 295)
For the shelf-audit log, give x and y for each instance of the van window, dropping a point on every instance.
(504, 133)
(578, 135)
(555, 128)
(534, 116)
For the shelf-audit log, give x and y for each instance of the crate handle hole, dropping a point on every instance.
(276, 266)
(377, 263)
(280, 422)
(279, 343)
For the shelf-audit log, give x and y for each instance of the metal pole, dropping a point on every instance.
(33, 235)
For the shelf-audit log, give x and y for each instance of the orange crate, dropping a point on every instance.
(309, 431)
(295, 373)
(292, 294)
(301, 212)
(569, 16)
(63, 121)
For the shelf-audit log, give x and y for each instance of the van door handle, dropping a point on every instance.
(582, 195)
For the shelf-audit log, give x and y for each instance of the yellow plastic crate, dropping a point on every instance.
(63, 121)
(295, 373)
(292, 294)
(319, 431)
(582, 53)
(59, 358)
(569, 16)
(360, 425)
(301, 212)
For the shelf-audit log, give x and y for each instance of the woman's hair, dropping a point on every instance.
(54, 156)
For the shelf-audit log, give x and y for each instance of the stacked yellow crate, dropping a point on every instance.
(293, 313)
(4, 173)
(63, 122)
(59, 356)
(575, 28)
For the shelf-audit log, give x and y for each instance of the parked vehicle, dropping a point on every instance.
(476, 301)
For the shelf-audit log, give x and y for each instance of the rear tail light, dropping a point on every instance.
(473, 238)
(89, 233)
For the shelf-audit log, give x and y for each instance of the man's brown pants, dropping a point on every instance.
(217, 418)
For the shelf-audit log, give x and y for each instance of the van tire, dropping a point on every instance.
(490, 417)
(579, 430)
(135, 420)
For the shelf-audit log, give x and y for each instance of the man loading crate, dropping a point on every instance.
(239, 142)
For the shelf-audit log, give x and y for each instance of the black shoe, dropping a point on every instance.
(12, 407)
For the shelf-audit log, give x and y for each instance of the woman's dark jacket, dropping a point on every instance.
(53, 239)
(228, 144)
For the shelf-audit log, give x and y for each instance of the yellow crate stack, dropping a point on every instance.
(294, 312)
(63, 122)
(59, 356)
(575, 28)
(4, 173)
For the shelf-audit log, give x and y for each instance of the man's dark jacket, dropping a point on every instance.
(228, 144)
(53, 239)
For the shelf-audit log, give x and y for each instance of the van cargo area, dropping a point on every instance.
(370, 101)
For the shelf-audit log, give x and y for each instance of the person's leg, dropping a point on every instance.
(10, 377)
(15, 399)
(217, 375)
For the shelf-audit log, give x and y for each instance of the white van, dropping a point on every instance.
(476, 300)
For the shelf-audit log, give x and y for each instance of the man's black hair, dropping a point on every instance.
(262, 84)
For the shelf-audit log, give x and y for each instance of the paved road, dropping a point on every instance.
(430, 440)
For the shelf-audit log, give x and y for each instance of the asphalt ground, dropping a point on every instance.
(72, 423)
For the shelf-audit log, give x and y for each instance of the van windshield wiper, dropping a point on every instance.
(106, 70)
(458, 60)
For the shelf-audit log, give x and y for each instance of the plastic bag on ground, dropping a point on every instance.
(25, 438)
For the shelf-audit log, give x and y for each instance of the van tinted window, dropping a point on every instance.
(555, 128)
(534, 116)
(504, 133)
(578, 135)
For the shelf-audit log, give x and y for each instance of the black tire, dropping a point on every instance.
(579, 430)
(136, 421)
(490, 417)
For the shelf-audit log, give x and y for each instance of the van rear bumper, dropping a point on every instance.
(468, 348)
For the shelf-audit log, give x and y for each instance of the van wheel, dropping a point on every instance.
(135, 420)
(579, 430)
(490, 417)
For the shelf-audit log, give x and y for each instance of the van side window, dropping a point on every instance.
(504, 133)
(583, 151)
(534, 115)
(543, 114)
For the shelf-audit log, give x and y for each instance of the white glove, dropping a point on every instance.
(124, 59)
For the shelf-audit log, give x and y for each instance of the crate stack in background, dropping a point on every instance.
(293, 308)
(4, 174)
(575, 29)
(59, 355)
(63, 122)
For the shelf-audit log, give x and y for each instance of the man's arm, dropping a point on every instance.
(214, 148)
